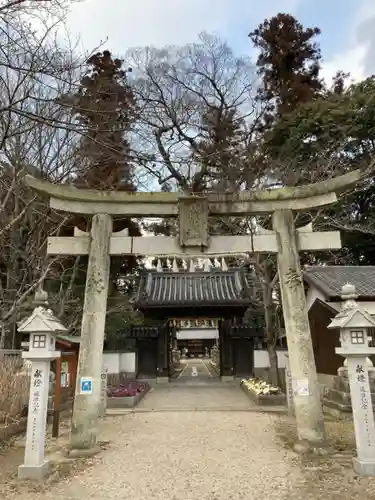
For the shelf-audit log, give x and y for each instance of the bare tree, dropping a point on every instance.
(38, 137)
(25, 219)
(177, 89)
(197, 132)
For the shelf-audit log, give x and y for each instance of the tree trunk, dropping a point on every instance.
(2, 335)
(274, 366)
(271, 333)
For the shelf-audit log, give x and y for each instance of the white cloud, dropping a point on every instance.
(351, 61)
(129, 23)
(359, 55)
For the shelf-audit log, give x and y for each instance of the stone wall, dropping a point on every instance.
(337, 399)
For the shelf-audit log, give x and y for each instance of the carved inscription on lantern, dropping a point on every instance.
(365, 403)
(193, 221)
(37, 386)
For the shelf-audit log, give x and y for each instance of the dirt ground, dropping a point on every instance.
(331, 476)
(12, 453)
(325, 477)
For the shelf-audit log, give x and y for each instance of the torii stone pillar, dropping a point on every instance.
(86, 404)
(307, 404)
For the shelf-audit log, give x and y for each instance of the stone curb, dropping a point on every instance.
(263, 399)
(113, 412)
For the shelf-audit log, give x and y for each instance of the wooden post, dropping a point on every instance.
(226, 351)
(163, 348)
(73, 368)
(56, 408)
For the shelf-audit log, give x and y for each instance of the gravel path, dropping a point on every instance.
(210, 456)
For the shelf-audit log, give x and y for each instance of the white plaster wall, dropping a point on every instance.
(262, 360)
(312, 295)
(111, 362)
(119, 362)
(127, 362)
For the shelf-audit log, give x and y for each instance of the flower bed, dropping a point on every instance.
(126, 395)
(263, 393)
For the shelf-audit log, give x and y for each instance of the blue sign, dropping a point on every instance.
(86, 385)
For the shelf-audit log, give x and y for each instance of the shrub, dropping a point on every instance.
(260, 387)
(14, 390)
(132, 388)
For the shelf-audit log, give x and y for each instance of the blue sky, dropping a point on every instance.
(347, 40)
(326, 14)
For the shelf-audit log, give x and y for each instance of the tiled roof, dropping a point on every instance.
(72, 339)
(330, 279)
(193, 288)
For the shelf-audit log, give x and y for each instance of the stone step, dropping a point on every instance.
(338, 396)
(343, 397)
(345, 408)
(338, 406)
(341, 383)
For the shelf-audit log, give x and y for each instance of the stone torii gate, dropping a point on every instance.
(194, 241)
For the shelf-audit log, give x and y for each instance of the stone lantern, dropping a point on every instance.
(42, 327)
(354, 324)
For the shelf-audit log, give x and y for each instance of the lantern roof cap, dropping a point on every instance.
(354, 317)
(41, 320)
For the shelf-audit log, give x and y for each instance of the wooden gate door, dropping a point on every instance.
(226, 352)
(147, 357)
(243, 357)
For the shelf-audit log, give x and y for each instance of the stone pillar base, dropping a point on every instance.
(162, 380)
(364, 468)
(34, 472)
(227, 378)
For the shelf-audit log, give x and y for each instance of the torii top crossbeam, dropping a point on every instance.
(88, 201)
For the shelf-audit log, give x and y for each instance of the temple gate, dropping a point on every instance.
(207, 294)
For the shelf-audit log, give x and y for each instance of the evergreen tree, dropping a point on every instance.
(105, 106)
(288, 63)
(220, 151)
